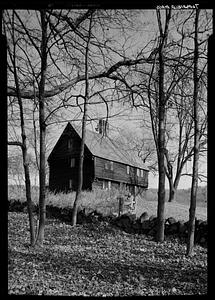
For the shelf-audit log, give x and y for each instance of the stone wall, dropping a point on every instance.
(148, 225)
(144, 225)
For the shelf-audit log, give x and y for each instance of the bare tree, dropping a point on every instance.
(111, 71)
(161, 126)
(41, 99)
(179, 109)
(194, 187)
(81, 157)
(182, 134)
(22, 144)
(37, 65)
(141, 144)
(178, 95)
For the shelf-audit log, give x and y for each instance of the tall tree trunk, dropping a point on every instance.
(24, 149)
(161, 131)
(26, 169)
(84, 120)
(80, 169)
(194, 187)
(42, 171)
(161, 164)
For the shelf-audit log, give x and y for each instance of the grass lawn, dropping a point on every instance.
(176, 210)
(99, 260)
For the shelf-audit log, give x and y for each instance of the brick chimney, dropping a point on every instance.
(103, 127)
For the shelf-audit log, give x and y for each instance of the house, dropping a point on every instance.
(106, 164)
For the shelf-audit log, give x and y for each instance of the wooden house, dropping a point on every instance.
(106, 164)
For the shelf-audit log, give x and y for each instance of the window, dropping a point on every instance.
(70, 183)
(128, 170)
(141, 173)
(106, 185)
(109, 165)
(72, 162)
(138, 172)
(69, 144)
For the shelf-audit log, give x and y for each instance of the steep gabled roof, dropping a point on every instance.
(107, 148)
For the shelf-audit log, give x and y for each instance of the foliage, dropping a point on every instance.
(99, 260)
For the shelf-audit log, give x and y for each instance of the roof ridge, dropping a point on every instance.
(108, 148)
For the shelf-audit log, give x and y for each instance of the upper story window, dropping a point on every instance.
(109, 165)
(72, 162)
(128, 169)
(138, 172)
(141, 173)
(69, 145)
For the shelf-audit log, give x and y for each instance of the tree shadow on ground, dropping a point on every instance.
(152, 274)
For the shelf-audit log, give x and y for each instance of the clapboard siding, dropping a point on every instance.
(95, 173)
(119, 173)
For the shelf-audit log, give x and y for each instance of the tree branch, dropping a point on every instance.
(11, 143)
(28, 94)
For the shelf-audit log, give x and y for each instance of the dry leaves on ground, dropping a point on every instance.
(99, 260)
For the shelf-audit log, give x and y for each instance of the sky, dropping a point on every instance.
(130, 119)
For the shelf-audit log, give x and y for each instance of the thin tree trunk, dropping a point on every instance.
(28, 196)
(171, 190)
(42, 191)
(169, 175)
(27, 180)
(161, 133)
(24, 151)
(162, 175)
(173, 185)
(81, 162)
(192, 210)
(81, 157)
(26, 174)
(42, 171)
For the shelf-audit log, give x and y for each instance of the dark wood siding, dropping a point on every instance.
(61, 173)
(119, 173)
(61, 149)
(98, 183)
(133, 189)
(60, 170)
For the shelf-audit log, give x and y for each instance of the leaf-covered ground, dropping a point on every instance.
(99, 260)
